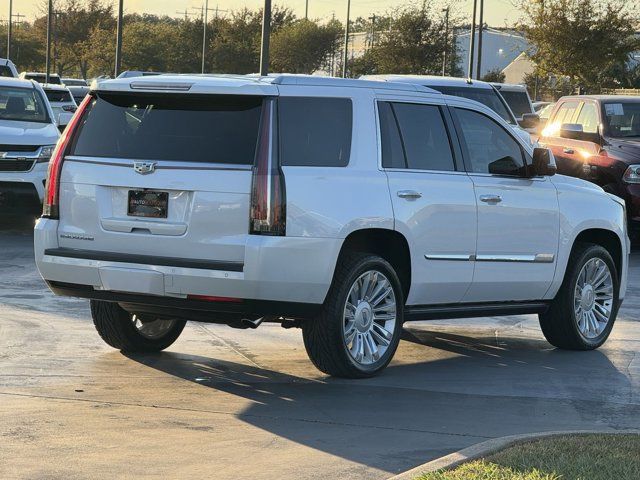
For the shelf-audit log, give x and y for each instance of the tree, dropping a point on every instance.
(580, 39)
(414, 44)
(303, 46)
(495, 75)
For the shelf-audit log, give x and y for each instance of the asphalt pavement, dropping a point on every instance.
(227, 404)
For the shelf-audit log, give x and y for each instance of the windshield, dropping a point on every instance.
(41, 78)
(623, 119)
(22, 104)
(487, 96)
(518, 101)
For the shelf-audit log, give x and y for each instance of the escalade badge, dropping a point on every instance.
(144, 168)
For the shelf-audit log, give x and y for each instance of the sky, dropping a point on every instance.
(498, 13)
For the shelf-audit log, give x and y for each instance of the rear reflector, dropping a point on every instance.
(209, 298)
(50, 206)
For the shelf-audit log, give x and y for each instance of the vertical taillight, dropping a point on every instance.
(268, 203)
(52, 188)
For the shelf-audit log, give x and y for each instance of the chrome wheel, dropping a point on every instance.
(369, 317)
(154, 329)
(593, 298)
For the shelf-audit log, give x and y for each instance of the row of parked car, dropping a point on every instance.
(33, 114)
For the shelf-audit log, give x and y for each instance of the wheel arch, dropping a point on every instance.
(388, 244)
(607, 239)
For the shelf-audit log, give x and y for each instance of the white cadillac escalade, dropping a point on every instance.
(344, 207)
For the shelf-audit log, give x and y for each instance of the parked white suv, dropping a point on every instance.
(28, 134)
(344, 207)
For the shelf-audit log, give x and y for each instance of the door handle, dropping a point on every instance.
(568, 150)
(409, 194)
(490, 198)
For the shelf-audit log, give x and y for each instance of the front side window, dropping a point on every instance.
(315, 131)
(518, 101)
(486, 96)
(22, 104)
(490, 149)
(588, 118)
(414, 136)
(175, 127)
(623, 119)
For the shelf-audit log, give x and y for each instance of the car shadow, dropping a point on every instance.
(446, 391)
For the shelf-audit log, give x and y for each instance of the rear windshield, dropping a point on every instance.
(176, 127)
(73, 82)
(486, 96)
(41, 78)
(58, 95)
(518, 101)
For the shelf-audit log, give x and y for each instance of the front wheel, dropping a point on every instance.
(359, 328)
(132, 333)
(582, 314)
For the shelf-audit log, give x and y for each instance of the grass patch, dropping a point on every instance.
(570, 457)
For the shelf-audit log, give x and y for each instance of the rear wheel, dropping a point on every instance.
(359, 328)
(583, 313)
(132, 333)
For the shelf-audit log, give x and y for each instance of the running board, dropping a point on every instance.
(461, 310)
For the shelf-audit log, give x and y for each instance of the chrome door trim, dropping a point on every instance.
(538, 258)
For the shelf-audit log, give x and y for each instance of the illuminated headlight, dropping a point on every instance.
(632, 174)
(45, 153)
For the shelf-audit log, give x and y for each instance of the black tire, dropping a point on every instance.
(324, 337)
(116, 328)
(559, 324)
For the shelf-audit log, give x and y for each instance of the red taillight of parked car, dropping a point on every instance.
(52, 187)
(268, 203)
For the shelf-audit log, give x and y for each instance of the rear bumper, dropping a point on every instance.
(279, 270)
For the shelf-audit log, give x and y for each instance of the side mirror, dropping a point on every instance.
(574, 131)
(63, 120)
(544, 163)
(530, 120)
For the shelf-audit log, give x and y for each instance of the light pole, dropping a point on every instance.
(472, 40)
(266, 32)
(48, 54)
(346, 41)
(204, 32)
(446, 41)
(480, 21)
(306, 10)
(9, 27)
(119, 39)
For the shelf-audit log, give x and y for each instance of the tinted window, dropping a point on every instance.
(58, 95)
(392, 149)
(486, 96)
(424, 137)
(588, 118)
(315, 132)
(490, 148)
(22, 104)
(518, 101)
(193, 128)
(623, 119)
(73, 82)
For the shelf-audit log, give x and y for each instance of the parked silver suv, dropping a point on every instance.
(344, 207)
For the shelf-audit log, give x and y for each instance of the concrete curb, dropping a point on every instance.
(489, 447)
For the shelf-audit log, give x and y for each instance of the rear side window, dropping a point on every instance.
(315, 132)
(414, 136)
(176, 127)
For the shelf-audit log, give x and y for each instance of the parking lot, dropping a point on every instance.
(224, 403)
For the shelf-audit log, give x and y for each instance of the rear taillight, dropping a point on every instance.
(268, 203)
(52, 187)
